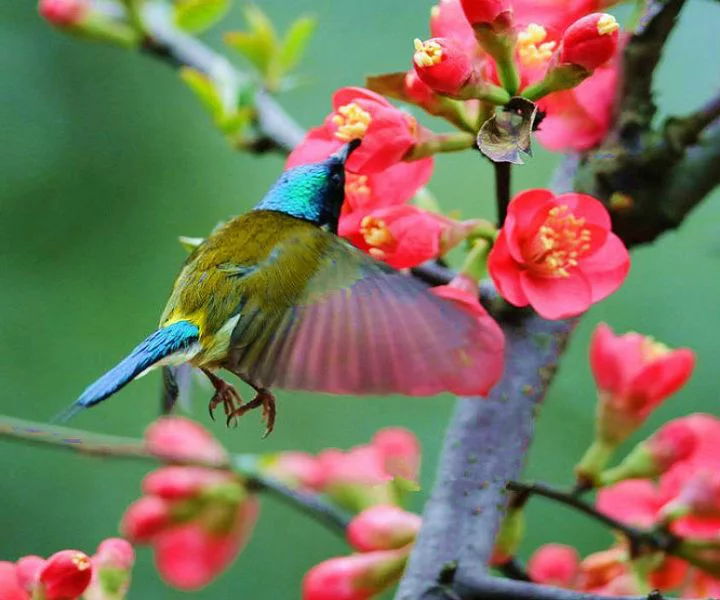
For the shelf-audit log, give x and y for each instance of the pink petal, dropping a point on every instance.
(557, 297)
(607, 268)
(635, 502)
(505, 272)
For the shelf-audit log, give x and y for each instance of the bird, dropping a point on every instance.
(275, 297)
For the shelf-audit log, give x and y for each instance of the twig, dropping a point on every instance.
(513, 569)
(115, 447)
(503, 171)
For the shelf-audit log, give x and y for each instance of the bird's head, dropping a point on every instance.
(313, 192)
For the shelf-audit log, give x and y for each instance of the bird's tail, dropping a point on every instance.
(161, 344)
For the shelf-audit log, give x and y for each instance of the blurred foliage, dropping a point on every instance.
(107, 158)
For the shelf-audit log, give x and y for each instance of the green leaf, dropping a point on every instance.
(195, 16)
(505, 137)
(205, 90)
(251, 47)
(295, 43)
(391, 85)
(237, 123)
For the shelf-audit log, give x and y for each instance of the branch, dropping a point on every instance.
(485, 446)
(176, 48)
(121, 448)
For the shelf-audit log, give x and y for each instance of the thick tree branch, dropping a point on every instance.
(120, 448)
(485, 446)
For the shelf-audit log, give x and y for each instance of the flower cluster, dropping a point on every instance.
(70, 574)
(371, 479)
(561, 54)
(197, 519)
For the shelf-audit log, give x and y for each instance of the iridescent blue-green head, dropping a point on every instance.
(313, 192)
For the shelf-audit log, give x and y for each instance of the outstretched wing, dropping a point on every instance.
(361, 327)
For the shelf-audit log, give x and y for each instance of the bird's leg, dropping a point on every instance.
(225, 394)
(262, 398)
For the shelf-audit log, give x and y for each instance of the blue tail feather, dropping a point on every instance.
(158, 345)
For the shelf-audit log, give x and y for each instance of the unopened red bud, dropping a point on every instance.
(180, 439)
(418, 91)
(145, 518)
(382, 527)
(443, 65)
(63, 13)
(490, 12)
(554, 564)
(28, 570)
(179, 482)
(590, 41)
(66, 575)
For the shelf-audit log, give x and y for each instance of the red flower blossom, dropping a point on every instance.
(555, 15)
(387, 132)
(63, 12)
(355, 577)
(447, 20)
(382, 527)
(634, 374)
(487, 12)
(403, 236)
(65, 575)
(197, 519)
(557, 254)
(443, 65)
(590, 42)
(554, 564)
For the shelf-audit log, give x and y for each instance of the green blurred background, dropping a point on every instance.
(105, 159)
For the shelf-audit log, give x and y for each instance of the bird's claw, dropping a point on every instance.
(226, 395)
(263, 398)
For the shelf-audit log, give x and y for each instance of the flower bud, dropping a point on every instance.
(145, 518)
(63, 13)
(112, 563)
(180, 439)
(116, 553)
(670, 444)
(554, 564)
(178, 482)
(590, 41)
(494, 13)
(66, 575)
(383, 527)
(356, 577)
(28, 571)
(699, 496)
(634, 375)
(420, 92)
(400, 452)
(443, 65)
(10, 588)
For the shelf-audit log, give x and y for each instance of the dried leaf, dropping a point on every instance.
(505, 137)
(391, 85)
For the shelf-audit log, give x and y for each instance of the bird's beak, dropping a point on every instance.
(344, 152)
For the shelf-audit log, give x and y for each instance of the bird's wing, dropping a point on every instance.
(361, 327)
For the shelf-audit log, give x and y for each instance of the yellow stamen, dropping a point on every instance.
(532, 48)
(81, 561)
(607, 24)
(427, 53)
(651, 349)
(560, 242)
(376, 234)
(357, 185)
(352, 122)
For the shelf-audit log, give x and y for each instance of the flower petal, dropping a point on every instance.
(557, 297)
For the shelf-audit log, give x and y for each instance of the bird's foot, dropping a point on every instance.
(265, 399)
(226, 395)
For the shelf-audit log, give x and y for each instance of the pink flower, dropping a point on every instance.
(489, 350)
(634, 374)
(402, 236)
(355, 577)
(180, 439)
(635, 501)
(554, 564)
(63, 12)
(447, 20)
(443, 65)
(196, 519)
(579, 119)
(65, 575)
(557, 253)
(10, 588)
(590, 41)
(382, 527)
(387, 132)
(556, 15)
(399, 450)
(112, 564)
(28, 571)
